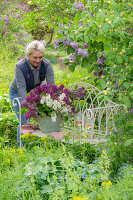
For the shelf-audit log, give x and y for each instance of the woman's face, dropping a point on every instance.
(35, 58)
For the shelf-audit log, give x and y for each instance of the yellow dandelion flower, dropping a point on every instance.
(109, 183)
(77, 198)
(103, 183)
(8, 160)
(43, 138)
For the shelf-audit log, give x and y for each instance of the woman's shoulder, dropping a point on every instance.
(20, 62)
(46, 61)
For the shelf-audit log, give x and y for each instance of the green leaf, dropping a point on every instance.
(90, 23)
(76, 22)
(110, 92)
(128, 142)
(72, 67)
(46, 189)
(126, 85)
(102, 83)
(112, 138)
(119, 59)
(86, 38)
(99, 54)
(131, 94)
(125, 58)
(66, 20)
(66, 61)
(111, 69)
(105, 28)
(106, 98)
(85, 63)
(110, 55)
(127, 102)
(85, 20)
(70, 50)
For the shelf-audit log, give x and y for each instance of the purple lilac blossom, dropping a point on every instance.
(96, 73)
(74, 45)
(85, 45)
(32, 106)
(24, 103)
(117, 86)
(56, 43)
(27, 115)
(82, 52)
(100, 69)
(18, 16)
(132, 110)
(79, 5)
(61, 87)
(7, 20)
(72, 57)
(66, 42)
(103, 74)
(80, 24)
(101, 60)
(67, 100)
(60, 24)
(117, 130)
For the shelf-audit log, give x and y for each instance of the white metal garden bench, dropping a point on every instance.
(93, 121)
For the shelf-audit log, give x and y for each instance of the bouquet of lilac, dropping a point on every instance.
(48, 100)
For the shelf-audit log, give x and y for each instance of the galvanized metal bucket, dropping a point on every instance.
(47, 125)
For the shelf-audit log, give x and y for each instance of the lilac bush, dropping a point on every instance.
(48, 100)
(79, 5)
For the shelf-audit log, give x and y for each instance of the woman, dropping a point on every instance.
(30, 72)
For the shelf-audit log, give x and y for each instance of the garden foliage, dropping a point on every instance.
(96, 39)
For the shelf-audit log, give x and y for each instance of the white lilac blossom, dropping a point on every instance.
(62, 96)
(49, 102)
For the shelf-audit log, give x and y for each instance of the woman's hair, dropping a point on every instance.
(35, 46)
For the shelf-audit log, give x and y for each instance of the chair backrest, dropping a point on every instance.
(94, 108)
(91, 100)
